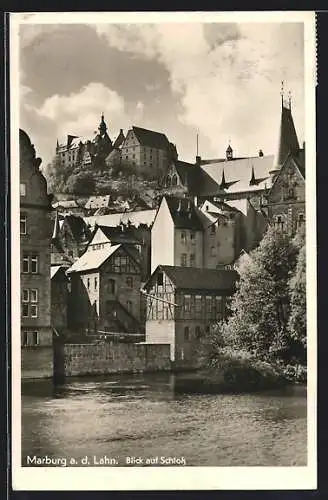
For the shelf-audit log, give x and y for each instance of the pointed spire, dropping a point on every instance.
(229, 152)
(288, 142)
(252, 182)
(223, 183)
(55, 233)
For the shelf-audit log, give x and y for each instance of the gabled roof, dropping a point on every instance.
(93, 260)
(151, 139)
(190, 278)
(237, 172)
(183, 213)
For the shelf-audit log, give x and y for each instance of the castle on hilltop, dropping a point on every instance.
(145, 150)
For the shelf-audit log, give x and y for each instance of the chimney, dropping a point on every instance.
(261, 153)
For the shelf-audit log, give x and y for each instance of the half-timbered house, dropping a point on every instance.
(182, 303)
(105, 288)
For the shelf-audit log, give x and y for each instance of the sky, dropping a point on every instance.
(221, 81)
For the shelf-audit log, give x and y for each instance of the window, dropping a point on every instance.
(26, 262)
(23, 221)
(35, 338)
(129, 305)
(24, 337)
(34, 264)
(183, 235)
(160, 279)
(30, 303)
(34, 310)
(279, 222)
(22, 189)
(208, 304)
(192, 260)
(96, 283)
(25, 310)
(198, 332)
(218, 305)
(186, 333)
(183, 260)
(111, 286)
(198, 303)
(88, 283)
(212, 251)
(129, 282)
(187, 303)
(174, 180)
(192, 235)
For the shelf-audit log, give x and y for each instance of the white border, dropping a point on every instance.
(167, 478)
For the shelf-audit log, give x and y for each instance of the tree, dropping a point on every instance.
(81, 183)
(261, 305)
(297, 287)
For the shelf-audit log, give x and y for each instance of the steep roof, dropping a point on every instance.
(237, 175)
(93, 259)
(119, 140)
(183, 213)
(150, 138)
(77, 225)
(189, 278)
(189, 174)
(136, 218)
(66, 204)
(288, 142)
(117, 235)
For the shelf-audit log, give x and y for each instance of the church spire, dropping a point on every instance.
(223, 183)
(252, 182)
(287, 141)
(102, 126)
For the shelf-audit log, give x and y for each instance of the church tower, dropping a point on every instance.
(287, 138)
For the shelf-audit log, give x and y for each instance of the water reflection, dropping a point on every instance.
(125, 416)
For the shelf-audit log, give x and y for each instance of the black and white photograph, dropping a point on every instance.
(163, 197)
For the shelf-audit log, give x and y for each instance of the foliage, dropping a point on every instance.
(267, 321)
(81, 183)
(297, 288)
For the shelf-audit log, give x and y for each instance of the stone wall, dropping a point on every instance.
(107, 357)
(36, 362)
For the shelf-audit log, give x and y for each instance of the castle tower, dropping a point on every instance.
(229, 152)
(102, 126)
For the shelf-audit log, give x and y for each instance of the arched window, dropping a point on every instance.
(279, 222)
(174, 180)
(168, 182)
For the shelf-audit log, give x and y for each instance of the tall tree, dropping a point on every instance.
(260, 307)
(297, 287)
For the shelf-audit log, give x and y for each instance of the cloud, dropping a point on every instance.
(77, 112)
(227, 76)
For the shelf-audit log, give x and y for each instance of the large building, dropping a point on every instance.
(148, 151)
(35, 239)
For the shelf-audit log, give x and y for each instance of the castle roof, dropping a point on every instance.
(189, 174)
(237, 175)
(150, 138)
(119, 140)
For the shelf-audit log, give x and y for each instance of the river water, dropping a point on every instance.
(143, 416)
